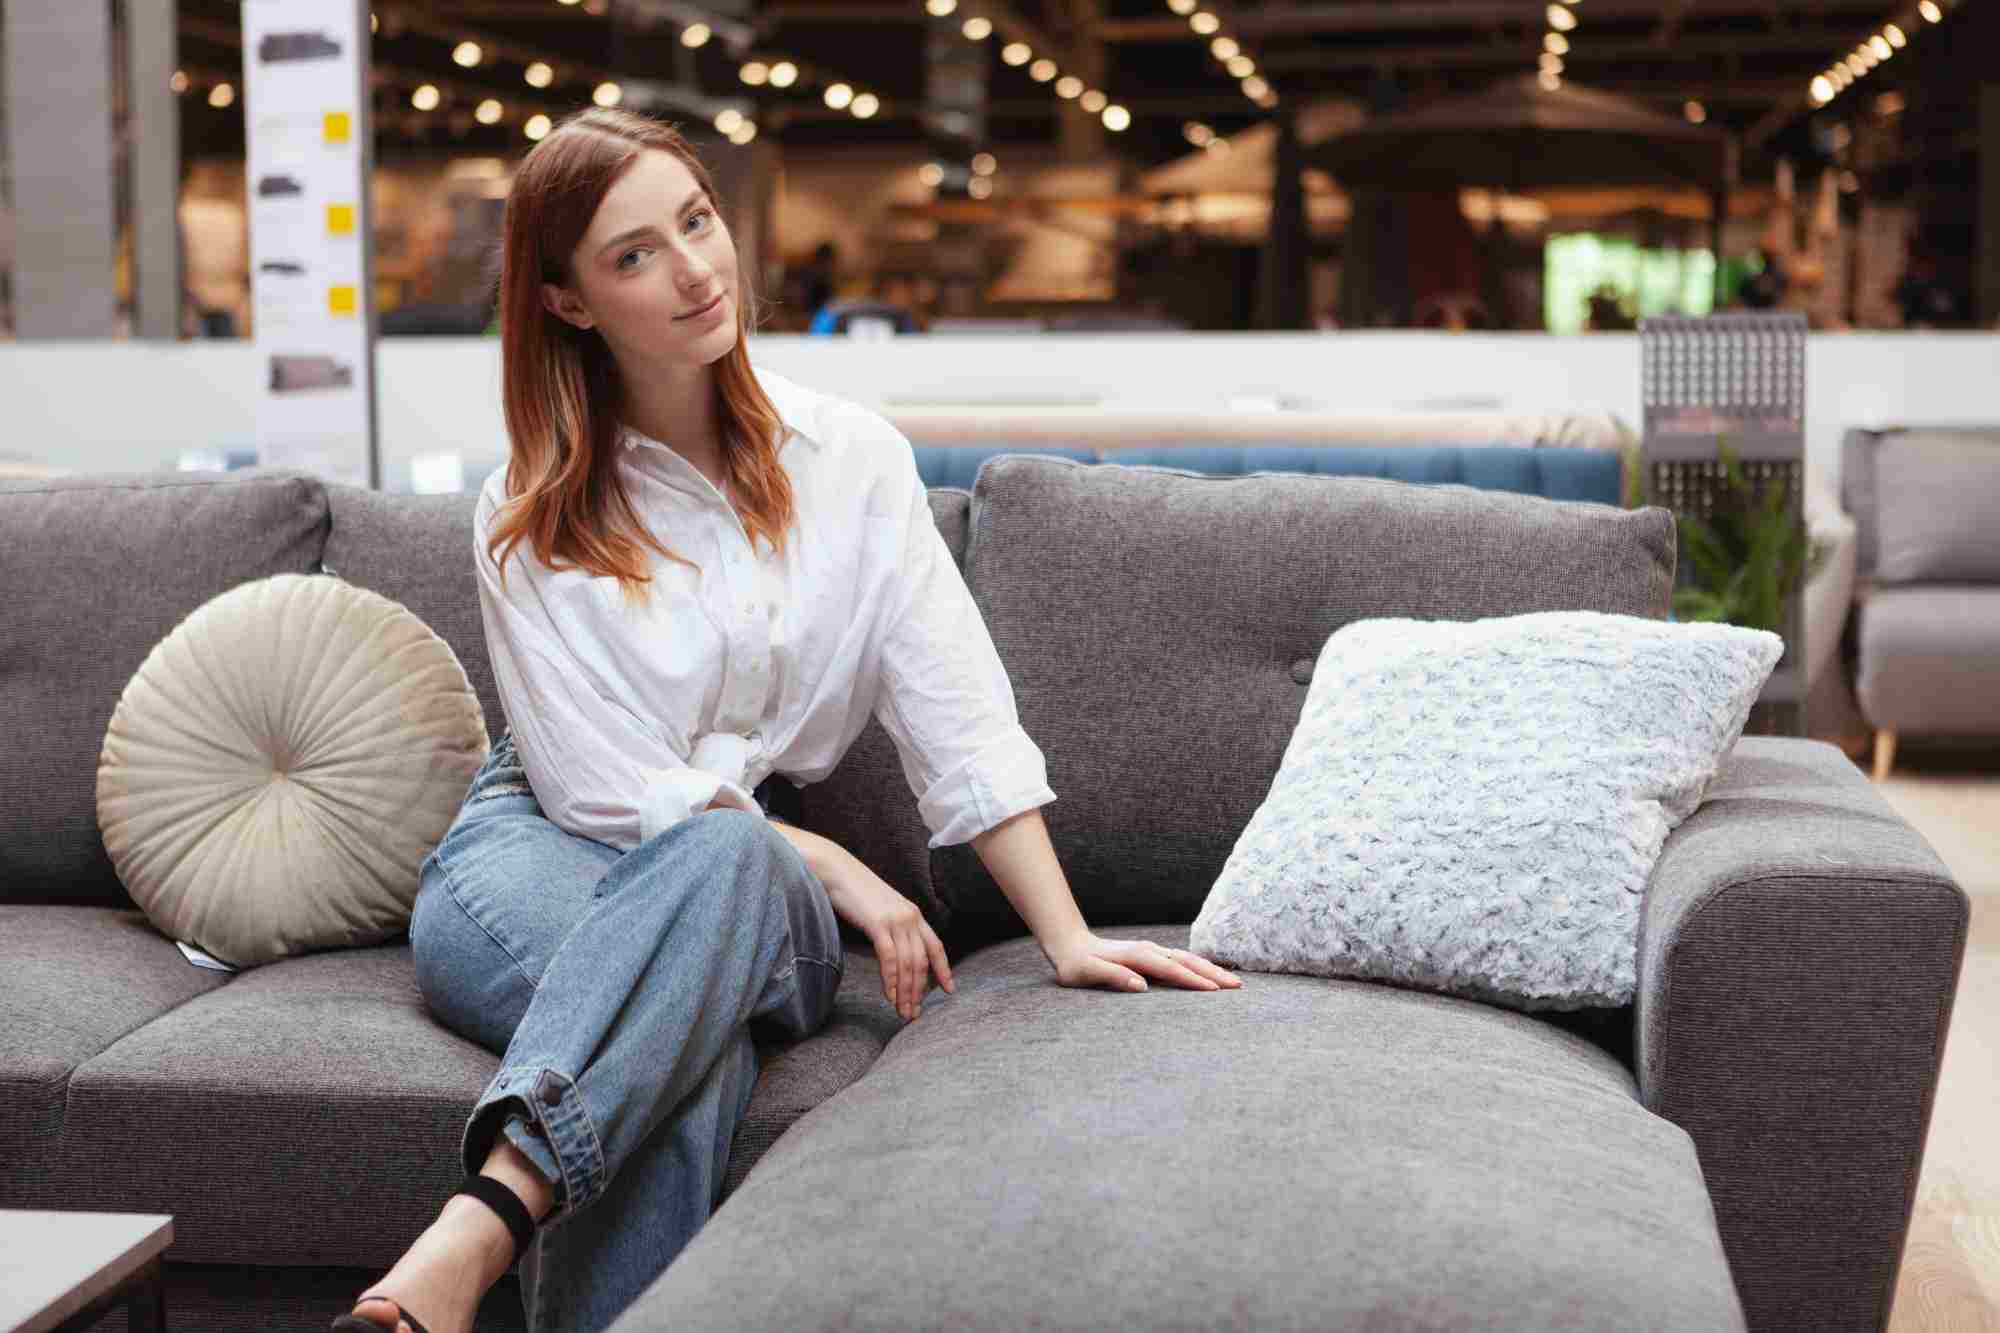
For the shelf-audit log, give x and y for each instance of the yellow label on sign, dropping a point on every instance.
(337, 125)
(340, 219)
(340, 299)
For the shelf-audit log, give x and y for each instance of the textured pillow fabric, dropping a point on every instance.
(281, 764)
(1936, 496)
(1475, 806)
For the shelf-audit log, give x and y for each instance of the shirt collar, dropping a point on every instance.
(798, 408)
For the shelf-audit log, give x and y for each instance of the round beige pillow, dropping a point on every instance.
(281, 764)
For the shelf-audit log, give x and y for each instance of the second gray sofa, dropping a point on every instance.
(1927, 592)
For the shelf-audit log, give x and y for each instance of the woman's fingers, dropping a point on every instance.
(940, 964)
(910, 949)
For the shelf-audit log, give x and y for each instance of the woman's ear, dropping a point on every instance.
(564, 305)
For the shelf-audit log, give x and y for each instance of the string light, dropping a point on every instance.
(1228, 50)
(1838, 77)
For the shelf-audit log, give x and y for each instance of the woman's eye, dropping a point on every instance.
(627, 255)
(698, 213)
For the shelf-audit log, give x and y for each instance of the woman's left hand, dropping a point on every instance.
(1088, 960)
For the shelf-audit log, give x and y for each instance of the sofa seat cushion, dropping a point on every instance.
(1926, 658)
(1298, 1153)
(73, 981)
(310, 1111)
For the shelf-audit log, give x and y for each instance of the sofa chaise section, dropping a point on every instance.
(1303, 1152)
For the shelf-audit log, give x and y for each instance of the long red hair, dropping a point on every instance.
(559, 383)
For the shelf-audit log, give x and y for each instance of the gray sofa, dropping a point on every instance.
(1927, 593)
(1738, 1148)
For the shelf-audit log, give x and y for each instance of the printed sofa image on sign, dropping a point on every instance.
(267, 186)
(289, 374)
(296, 46)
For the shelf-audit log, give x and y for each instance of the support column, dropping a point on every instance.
(956, 128)
(1284, 285)
(1986, 297)
(57, 83)
(1081, 136)
(152, 135)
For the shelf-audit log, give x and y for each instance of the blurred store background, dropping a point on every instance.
(1113, 164)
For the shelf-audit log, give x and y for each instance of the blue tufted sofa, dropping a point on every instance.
(1553, 474)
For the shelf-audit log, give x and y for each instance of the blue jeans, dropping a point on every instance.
(619, 990)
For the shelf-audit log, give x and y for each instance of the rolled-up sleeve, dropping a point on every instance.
(597, 770)
(944, 696)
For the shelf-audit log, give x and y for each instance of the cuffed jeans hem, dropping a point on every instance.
(569, 1151)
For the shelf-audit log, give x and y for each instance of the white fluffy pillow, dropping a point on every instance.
(1475, 806)
(281, 764)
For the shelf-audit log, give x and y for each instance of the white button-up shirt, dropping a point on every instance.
(629, 719)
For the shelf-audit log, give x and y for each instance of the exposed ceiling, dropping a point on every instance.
(1747, 62)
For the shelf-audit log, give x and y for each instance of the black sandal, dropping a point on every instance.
(489, 1192)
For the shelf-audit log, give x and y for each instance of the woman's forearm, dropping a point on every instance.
(818, 852)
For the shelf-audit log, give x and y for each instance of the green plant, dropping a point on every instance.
(1747, 558)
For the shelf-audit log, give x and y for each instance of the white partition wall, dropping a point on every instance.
(442, 395)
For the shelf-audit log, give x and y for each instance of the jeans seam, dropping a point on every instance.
(451, 886)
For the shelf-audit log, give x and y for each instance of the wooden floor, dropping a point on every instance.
(1950, 1279)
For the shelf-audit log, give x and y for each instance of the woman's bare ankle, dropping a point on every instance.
(511, 1167)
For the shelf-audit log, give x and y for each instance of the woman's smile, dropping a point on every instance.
(707, 314)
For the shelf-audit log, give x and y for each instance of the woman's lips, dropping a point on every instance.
(704, 310)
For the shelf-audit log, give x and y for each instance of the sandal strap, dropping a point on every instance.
(506, 1203)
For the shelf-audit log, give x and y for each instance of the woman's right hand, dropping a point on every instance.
(904, 942)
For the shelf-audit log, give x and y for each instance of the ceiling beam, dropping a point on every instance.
(1417, 15)
(1822, 45)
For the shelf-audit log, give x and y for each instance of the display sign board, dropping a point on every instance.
(308, 158)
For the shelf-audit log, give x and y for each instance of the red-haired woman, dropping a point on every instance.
(612, 908)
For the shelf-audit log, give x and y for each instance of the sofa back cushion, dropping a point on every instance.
(1159, 627)
(98, 570)
(1936, 497)
(1863, 450)
(417, 550)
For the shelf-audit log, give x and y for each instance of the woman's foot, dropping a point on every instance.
(442, 1277)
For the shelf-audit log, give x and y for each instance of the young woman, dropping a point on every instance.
(611, 908)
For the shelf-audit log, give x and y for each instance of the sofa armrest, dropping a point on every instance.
(1829, 592)
(1799, 950)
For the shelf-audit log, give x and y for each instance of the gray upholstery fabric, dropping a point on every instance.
(417, 550)
(1300, 1153)
(98, 570)
(309, 1112)
(1937, 507)
(1857, 494)
(1159, 639)
(73, 982)
(1859, 482)
(1929, 658)
(1798, 954)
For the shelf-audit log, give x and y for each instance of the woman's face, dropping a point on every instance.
(655, 254)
